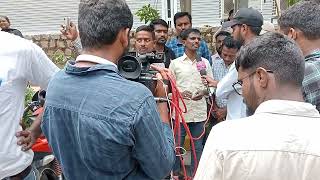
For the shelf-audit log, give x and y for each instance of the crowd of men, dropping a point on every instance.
(265, 87)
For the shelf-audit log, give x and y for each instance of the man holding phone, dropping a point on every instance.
(188, 78)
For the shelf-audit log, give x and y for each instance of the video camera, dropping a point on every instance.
(137, 67)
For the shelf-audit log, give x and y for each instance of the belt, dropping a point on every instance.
(22, 174)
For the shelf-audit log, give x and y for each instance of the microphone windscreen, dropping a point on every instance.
(201, 66)
(203, 72)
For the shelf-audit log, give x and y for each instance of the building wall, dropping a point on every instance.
(206, 12)
(40, 16)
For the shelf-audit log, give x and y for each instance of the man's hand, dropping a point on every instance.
(163, 75)
(161, 91)
(207, 80)
(221, 114)
(198, 95)
(71, 33)
(26, 139)
(186, 95)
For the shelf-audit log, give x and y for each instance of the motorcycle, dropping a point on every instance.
(45, 165)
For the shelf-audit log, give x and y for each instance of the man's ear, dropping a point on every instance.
(292, 33)
(263, 77)
(125, 37)
(244, 29)
(184, 42)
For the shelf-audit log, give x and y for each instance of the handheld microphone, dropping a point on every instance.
(202, 68)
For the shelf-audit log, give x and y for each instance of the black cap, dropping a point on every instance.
(248, 16)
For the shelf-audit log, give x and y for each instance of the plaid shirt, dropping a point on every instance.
(178, 49)
(219, 70)
(311, 81)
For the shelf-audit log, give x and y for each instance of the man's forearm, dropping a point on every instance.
(35, 128)
(163, 111)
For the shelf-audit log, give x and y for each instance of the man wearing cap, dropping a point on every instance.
(246, 25)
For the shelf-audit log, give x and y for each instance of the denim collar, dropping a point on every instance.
(70, 68)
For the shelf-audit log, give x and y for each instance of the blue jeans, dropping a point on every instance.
(31, 175)
(196, 128)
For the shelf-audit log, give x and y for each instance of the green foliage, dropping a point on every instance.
(292, 2)
(147, 13)
(60, 59)
(29, 94)
(26, 122)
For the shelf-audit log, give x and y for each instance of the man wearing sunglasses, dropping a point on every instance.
(246, 25)
(280, 140)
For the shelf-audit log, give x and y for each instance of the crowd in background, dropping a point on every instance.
(263, 84)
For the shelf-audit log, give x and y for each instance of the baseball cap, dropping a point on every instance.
(248, 16)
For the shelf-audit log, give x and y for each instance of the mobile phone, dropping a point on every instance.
(66, 23)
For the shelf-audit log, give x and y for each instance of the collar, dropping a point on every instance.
(216, 56)
(291, 108)
(186, 58)
(314, 55)
(94, 59)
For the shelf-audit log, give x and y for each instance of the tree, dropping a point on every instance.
(147, 13)
(291, 2)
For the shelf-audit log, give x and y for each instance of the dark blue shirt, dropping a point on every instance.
(102, 126)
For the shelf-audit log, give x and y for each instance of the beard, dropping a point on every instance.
(249, 101)
(161, 41)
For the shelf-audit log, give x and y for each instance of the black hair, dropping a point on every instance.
(304, 16)
(275, 52)
(255, 30)
(222, 33)
(159, 22)
(184, 34)
(100, 21)
(147, 29)
(180, 15)
(231, 12)
(229, 42)
(5, 17)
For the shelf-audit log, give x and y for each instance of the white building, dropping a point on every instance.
(46, 16)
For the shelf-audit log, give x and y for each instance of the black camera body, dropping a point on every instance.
(136, 67)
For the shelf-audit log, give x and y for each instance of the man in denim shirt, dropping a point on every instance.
(100, 125)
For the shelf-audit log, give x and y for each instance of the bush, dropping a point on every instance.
(147, 13)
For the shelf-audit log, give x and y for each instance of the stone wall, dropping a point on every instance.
(57, 46)
(52, 43)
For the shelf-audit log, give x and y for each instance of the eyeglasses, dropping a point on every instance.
(237, 86)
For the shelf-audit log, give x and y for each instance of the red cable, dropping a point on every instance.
(176, 98)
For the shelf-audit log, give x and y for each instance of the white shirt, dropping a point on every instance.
(236, 108)
(279, 142)
(20, 61)
(188, 78)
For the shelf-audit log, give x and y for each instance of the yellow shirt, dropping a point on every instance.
(188, 78)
